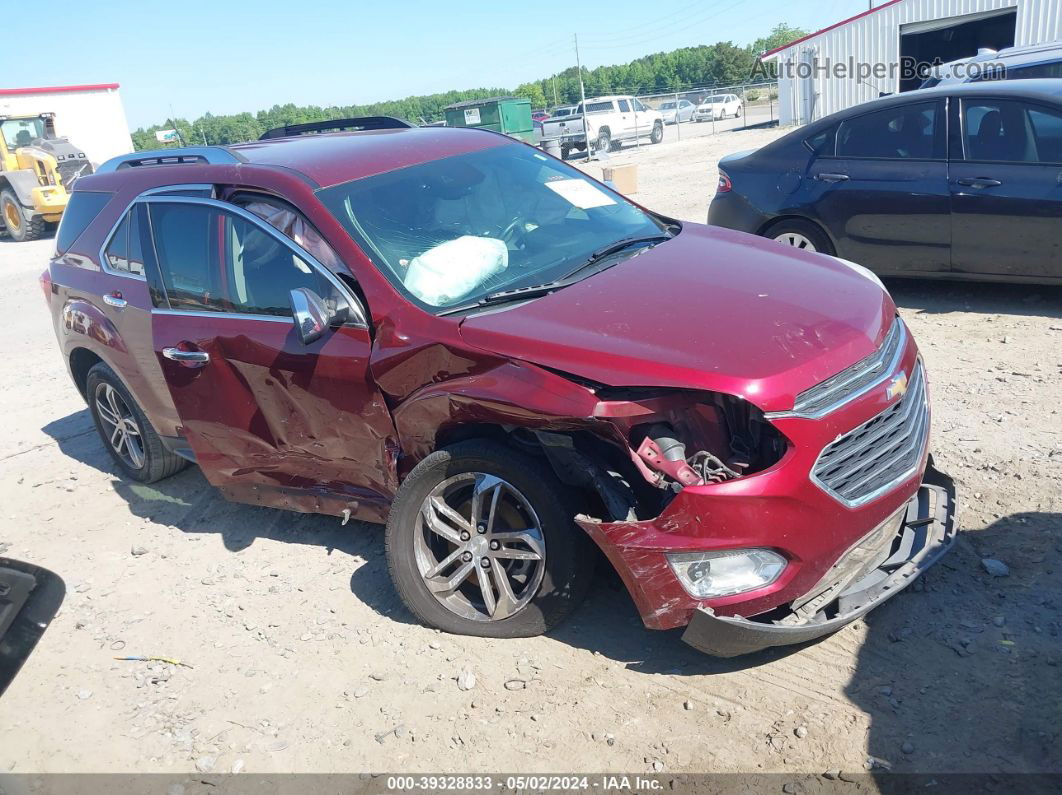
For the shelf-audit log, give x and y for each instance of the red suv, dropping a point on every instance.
(510, 364)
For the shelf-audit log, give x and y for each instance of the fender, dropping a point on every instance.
(512, 393)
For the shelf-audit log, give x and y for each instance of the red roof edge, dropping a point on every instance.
(843, 22)
(6, 92)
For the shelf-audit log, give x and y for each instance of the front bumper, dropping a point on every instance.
(927, 532)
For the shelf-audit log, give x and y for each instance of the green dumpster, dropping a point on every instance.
(509, 115)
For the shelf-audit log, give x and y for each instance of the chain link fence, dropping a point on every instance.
(706, 110)
(756, 104)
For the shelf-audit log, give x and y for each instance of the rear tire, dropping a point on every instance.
(548, 574)
(801, 234)
(15, 223)
(604, 141)
(125, 431)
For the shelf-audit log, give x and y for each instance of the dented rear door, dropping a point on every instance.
(271, 421)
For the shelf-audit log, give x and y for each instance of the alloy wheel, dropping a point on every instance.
(479, 547)
(796, 240)
(120, 426)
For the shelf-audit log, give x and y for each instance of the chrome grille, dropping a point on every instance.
(873, 458)
(827, 395)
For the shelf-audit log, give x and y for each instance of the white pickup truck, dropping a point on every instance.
(611, 121)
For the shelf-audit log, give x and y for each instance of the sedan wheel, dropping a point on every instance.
(479, 547)
(796, 240)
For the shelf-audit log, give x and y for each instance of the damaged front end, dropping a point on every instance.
(875, 569)
(644, 472)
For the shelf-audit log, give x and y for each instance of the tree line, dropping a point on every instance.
(720, 64)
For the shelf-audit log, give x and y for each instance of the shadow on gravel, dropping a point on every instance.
(963, 672)
(938, 297)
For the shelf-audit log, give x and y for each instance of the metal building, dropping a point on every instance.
(865, 56)
(91, 116)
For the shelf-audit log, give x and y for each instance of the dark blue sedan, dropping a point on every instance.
(959, 182)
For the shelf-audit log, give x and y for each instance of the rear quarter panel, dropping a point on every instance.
(121, 338)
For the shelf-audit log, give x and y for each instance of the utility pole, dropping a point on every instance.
(555, 101)
(582, 96)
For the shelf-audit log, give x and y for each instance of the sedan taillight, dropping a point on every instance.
(724, 185)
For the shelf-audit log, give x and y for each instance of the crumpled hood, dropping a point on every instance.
(710, 309)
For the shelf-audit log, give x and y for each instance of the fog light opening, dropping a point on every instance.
(707, 575)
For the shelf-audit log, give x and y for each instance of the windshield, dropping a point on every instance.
(21, 132)
(712, 100)
(668, 106)
(451, 231)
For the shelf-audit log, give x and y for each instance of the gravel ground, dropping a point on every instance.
(301, 658)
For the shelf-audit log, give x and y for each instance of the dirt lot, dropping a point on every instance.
(302, 658)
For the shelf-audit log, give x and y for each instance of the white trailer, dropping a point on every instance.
(91, 116)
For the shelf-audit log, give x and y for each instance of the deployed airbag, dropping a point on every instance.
(450, 270)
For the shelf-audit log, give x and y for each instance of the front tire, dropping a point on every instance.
(126, 433)
(480, 541)
(658, 133)
(16, 225)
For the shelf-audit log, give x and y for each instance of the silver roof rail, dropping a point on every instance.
(210, 155)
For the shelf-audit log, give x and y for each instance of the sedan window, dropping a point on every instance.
(907, 132)
(1010, 131)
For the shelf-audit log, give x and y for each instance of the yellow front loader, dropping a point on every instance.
(36, 169)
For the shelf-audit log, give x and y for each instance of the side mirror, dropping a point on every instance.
(311, 314)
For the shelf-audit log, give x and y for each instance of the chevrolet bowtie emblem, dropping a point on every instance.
(897, 386)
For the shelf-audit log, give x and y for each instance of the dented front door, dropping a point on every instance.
(271, 421)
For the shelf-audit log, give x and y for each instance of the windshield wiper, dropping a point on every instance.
(536, 290)
(615, 248)
(520, 293)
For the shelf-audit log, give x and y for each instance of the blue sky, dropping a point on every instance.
(227, 57)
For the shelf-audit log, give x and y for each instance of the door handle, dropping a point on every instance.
(828, 177)
(177, 355)
(979, 182)
(115, 300)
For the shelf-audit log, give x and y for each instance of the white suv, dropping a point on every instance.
(718, 106)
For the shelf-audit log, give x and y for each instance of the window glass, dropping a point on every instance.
(1030, 72)
(215, 261)
(1035, 71)
(625, 107)
(1047, 130)
(452, 230)
(186, 243)
(81, 209)
(597, 107)
(1002, 130)
(124, 253)
(902, 133)
(21, 132)
(261, 271)
(822, 142)
(639, 106)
